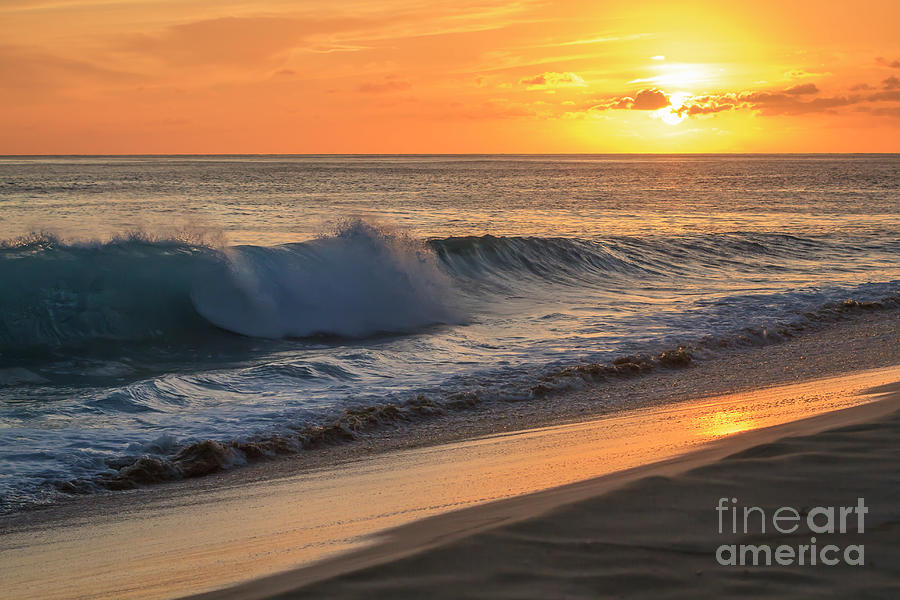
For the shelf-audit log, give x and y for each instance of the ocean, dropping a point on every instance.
(161, 317)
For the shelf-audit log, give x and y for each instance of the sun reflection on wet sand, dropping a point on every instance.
(726, 422)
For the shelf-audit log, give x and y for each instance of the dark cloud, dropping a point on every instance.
(622, 103)
(651, 99)
(882, 111)
(707, 105)
(791, 101)
(796, 100)
(860, 87)
(894, 64)
(705, 109)
(887, 96)
(536, 80)
(552, 80)
(802, 89)
(788, 102)
(783, 104)
(891, 83)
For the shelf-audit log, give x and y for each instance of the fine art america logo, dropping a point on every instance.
(787, 520)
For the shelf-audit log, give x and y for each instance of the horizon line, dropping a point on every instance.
(411, 154)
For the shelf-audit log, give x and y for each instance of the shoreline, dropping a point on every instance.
(857, 336)
(439, 544)
(232, 529)
(858, 341)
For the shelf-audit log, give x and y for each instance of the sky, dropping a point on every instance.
(469, 76)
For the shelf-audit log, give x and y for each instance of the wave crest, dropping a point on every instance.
(360, 281)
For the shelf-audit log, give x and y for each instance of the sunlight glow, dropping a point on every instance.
(670, 114)
(680, 75)
(367, 76)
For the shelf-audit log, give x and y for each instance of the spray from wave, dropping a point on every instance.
(360, 281)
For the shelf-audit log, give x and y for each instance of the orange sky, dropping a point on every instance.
(365, 76)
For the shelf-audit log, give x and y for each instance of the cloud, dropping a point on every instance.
(797, 100)
(889, 96)
(623, 103)
(882, 111)
(391, 83)
(765, 103)
(894, 64)
(791, 101)
(599, 40)
(242, 41)
(775, 104)
(802, 89)
(331, 48)
(25, 72)
(550, 80)
(651, 99)
(861, 86)
(707, 105)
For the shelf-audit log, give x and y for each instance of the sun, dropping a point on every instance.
(670, 114)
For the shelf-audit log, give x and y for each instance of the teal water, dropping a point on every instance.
(147, 303)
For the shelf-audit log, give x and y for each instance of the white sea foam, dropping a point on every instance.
(361, 281)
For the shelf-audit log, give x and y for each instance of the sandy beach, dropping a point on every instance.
(333, 512)
(657, 536)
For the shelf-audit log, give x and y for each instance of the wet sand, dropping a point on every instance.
(659, 536)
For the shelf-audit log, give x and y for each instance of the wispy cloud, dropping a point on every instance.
(390, 83)
(552, 80)
(603, 39)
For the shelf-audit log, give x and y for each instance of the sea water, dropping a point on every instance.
(148, 304)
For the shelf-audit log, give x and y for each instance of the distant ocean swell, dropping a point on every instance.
(361, 281)
(166, 460)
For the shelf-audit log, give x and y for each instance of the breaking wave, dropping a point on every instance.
(362, 280)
